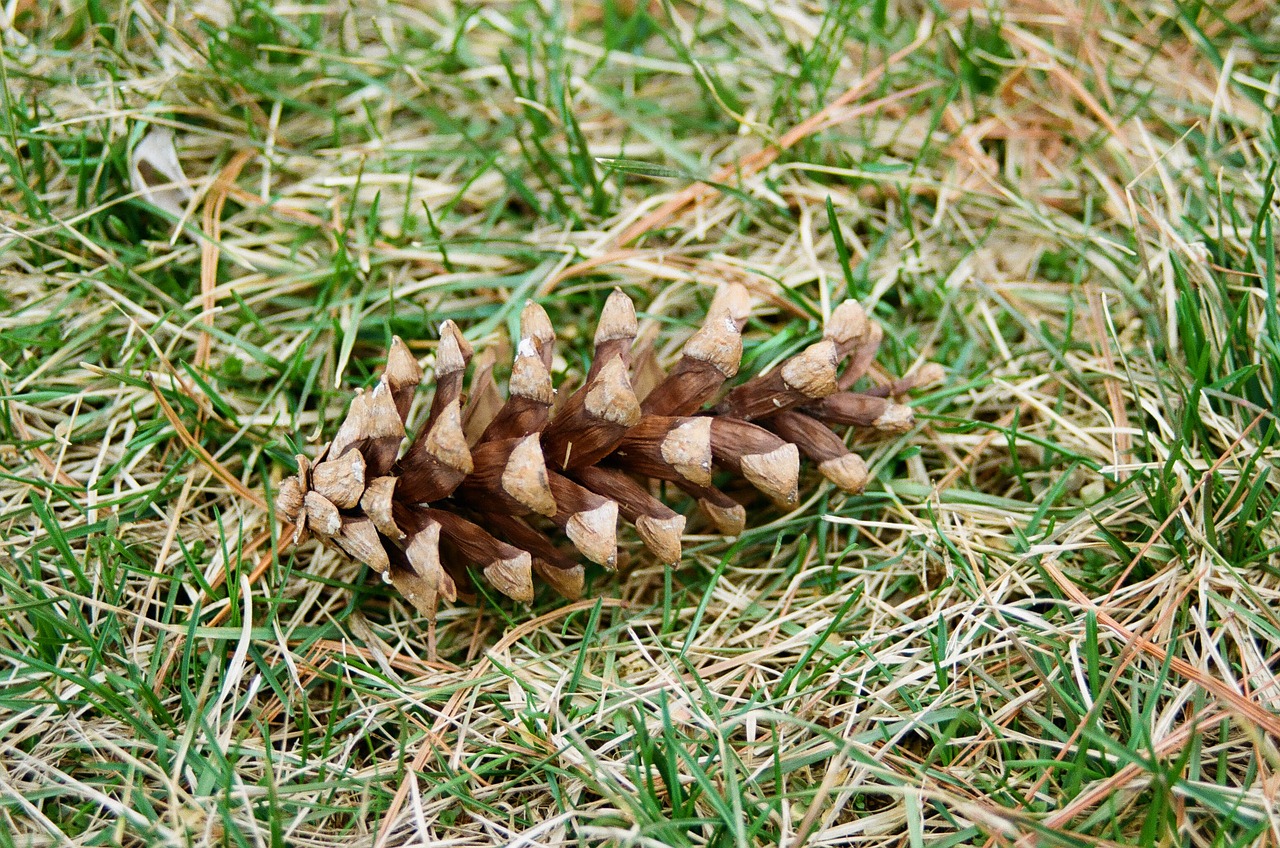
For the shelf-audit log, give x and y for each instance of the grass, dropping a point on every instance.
(1051, 619)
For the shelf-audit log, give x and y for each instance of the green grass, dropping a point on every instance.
(1076, 215)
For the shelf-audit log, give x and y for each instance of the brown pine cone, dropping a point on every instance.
(533, 467)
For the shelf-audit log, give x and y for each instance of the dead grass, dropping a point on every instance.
(1051, 619)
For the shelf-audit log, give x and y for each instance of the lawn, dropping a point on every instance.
(1051, 618)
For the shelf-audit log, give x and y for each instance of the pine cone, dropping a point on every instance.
(482, 485)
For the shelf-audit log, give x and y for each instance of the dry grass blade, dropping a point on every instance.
(430, 744)
(1238, 703)
(753, 164)
(210, 246)
(189, 441)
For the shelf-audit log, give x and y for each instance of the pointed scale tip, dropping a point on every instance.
(718, 343)
(352, 428)
(662, 536)
(617, 319)
(529, 376)
(525, 477)
(687, 449)
(729, 520)
(812, 372)
(594, 532)
(927, 375)
(776, 473)
(896, 418)
(304, 466)
(446, 440)
(415, 589)
(848, 472)
(536, 329)
(376, 503)
(535, 324)
(423, 553)
(359, 539)
(322, 516)
(384, 421)
(610, 396)
(567, 581)
(512, 577)
(732, 299)
(847, 324)
(289, 499)
(426, 581)
(341, 480)
(454, 352)
(402, 368)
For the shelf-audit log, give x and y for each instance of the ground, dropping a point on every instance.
(1051, 618)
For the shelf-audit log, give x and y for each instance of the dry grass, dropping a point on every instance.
(1051, 619)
